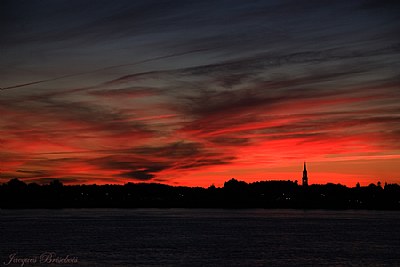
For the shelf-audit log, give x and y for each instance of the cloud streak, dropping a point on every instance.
(195, 93)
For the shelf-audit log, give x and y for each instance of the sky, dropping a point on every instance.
(195, 93)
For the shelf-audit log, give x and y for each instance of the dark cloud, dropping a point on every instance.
(389, 5)
(138, 175)
(174, 150)
(206, 162)
(230, 141)
(59, 117)
(132, 92)
(144, 90)
(145, 163)
(144, 174)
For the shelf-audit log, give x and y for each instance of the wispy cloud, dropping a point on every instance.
(186, 92)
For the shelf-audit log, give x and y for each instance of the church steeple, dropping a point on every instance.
(305, 177)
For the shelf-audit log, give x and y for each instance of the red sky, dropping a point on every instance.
(195, 95)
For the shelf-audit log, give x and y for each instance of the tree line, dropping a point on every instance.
(234, 194)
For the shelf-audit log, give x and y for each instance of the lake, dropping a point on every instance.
(199, 237)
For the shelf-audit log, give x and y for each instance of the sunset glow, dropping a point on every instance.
(194, 94)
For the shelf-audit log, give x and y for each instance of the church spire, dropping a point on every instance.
(305, 177)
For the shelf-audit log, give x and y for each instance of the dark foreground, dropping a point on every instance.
(234, 194)
(182, 237)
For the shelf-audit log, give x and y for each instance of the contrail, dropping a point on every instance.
(105, 68)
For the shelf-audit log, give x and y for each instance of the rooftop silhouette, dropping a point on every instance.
(234, 194)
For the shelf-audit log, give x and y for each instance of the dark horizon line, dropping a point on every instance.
(58, 180)
(234, 194)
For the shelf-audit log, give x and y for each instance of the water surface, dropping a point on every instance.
(180, 237)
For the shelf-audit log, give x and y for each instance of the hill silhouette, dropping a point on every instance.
(234, 194)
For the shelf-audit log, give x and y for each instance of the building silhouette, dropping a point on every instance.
(305, 177)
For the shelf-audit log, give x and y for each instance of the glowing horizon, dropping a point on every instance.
(116, 92)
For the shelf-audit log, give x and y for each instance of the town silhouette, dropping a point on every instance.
(234, 194)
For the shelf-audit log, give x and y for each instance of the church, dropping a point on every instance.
(305, 177)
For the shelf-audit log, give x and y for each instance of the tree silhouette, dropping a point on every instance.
(234, 194)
